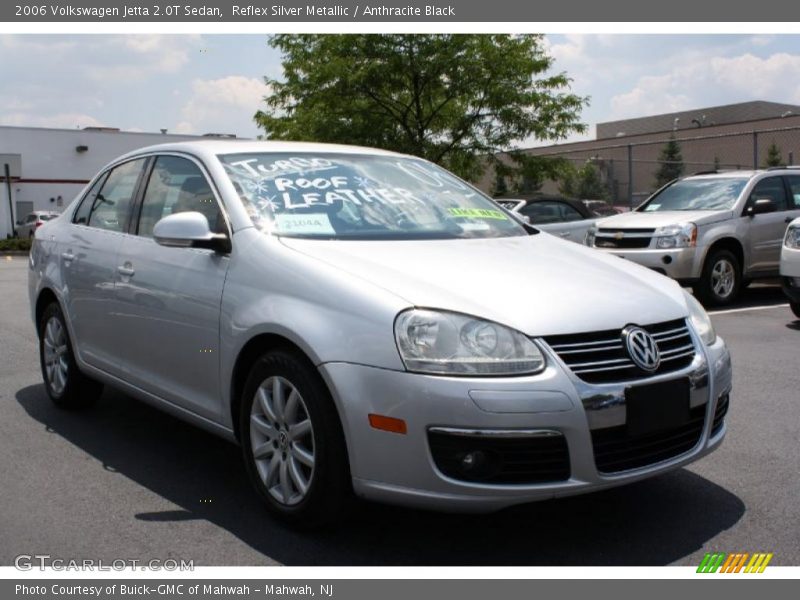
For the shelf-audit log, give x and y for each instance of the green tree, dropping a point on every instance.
(456, 100)
(670, 162)
(774, 156)
(584, 182)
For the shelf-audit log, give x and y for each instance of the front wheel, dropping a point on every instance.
(795, 306)
(292, 441)
(721, 279)
(65, 384)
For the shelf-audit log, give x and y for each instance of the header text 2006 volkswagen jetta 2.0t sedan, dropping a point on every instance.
(365, 323)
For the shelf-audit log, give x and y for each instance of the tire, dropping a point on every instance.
(795, 306)
(721, 280)
(67, 387)
(284, 440)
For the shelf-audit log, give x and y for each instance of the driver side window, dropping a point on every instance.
(178, 185)
(773, 189)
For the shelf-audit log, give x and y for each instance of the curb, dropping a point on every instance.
(14, 252)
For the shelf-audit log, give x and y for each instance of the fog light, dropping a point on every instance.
(667, 260)
(473, 460)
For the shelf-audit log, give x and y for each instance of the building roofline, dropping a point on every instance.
(705, 108)
(110, 131)
(681, 135)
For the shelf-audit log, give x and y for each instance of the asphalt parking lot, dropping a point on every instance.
(125, 481)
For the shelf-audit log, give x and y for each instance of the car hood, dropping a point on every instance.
(634, 220)
(538, 284)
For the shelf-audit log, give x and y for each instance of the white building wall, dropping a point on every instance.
(52, 167)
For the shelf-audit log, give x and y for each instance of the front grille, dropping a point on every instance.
(615, 450)
(504, 460)
(601, 357)
(623, 238)
(719, 414)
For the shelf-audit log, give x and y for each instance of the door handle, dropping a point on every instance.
(565, 234)
(125, 270)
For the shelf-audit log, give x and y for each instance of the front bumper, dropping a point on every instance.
(681, 264)
(790, 273)
(400, 469)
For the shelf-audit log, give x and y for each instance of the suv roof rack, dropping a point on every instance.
(708, 172)
(790, 167)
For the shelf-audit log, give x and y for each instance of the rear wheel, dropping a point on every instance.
(65, 384)
(293, 445)
(721, 279)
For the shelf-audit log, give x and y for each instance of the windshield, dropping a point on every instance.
(343, 196)
(698, 194)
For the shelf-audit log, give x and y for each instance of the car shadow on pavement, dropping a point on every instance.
(654, 522)
(761, 294)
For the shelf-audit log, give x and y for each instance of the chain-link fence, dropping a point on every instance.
(632, 171)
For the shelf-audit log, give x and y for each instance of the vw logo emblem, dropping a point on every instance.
(642, 348)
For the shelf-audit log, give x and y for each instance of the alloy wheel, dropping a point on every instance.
(723, 278)
(55, 355)
(282, 440)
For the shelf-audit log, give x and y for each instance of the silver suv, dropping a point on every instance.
(714, 231)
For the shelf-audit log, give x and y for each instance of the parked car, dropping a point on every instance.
(27, 226)
(363, 322)
(714, 231)
(790, 266)
(601, 208)
(564, 217)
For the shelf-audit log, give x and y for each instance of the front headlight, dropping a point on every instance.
(792, 239)
(683, 235)
(588, 239)
(700, 320)
(445, 343)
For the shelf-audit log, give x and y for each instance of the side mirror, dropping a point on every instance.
(761, 206)
(189, 230)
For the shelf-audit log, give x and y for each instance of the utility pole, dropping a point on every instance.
(10, 204)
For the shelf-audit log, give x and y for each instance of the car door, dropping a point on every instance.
(766, 231)
(167, 300)
(88, 262)
(558, 218)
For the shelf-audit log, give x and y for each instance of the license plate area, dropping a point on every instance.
(657, 407)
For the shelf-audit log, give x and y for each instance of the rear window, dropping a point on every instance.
(47, 217)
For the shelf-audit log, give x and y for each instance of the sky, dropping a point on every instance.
(214, 83)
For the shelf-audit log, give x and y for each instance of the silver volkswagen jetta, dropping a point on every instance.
(364, 323)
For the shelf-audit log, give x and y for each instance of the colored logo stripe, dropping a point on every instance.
(734, 562)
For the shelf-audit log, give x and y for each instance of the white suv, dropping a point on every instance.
(713, 231)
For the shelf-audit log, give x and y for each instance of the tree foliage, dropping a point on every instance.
(670, 162)
(774, 156)
(584, 182)
(456, 100)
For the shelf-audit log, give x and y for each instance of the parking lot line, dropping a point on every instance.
(746, 309)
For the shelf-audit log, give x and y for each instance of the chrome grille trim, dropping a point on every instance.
(601, 357)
